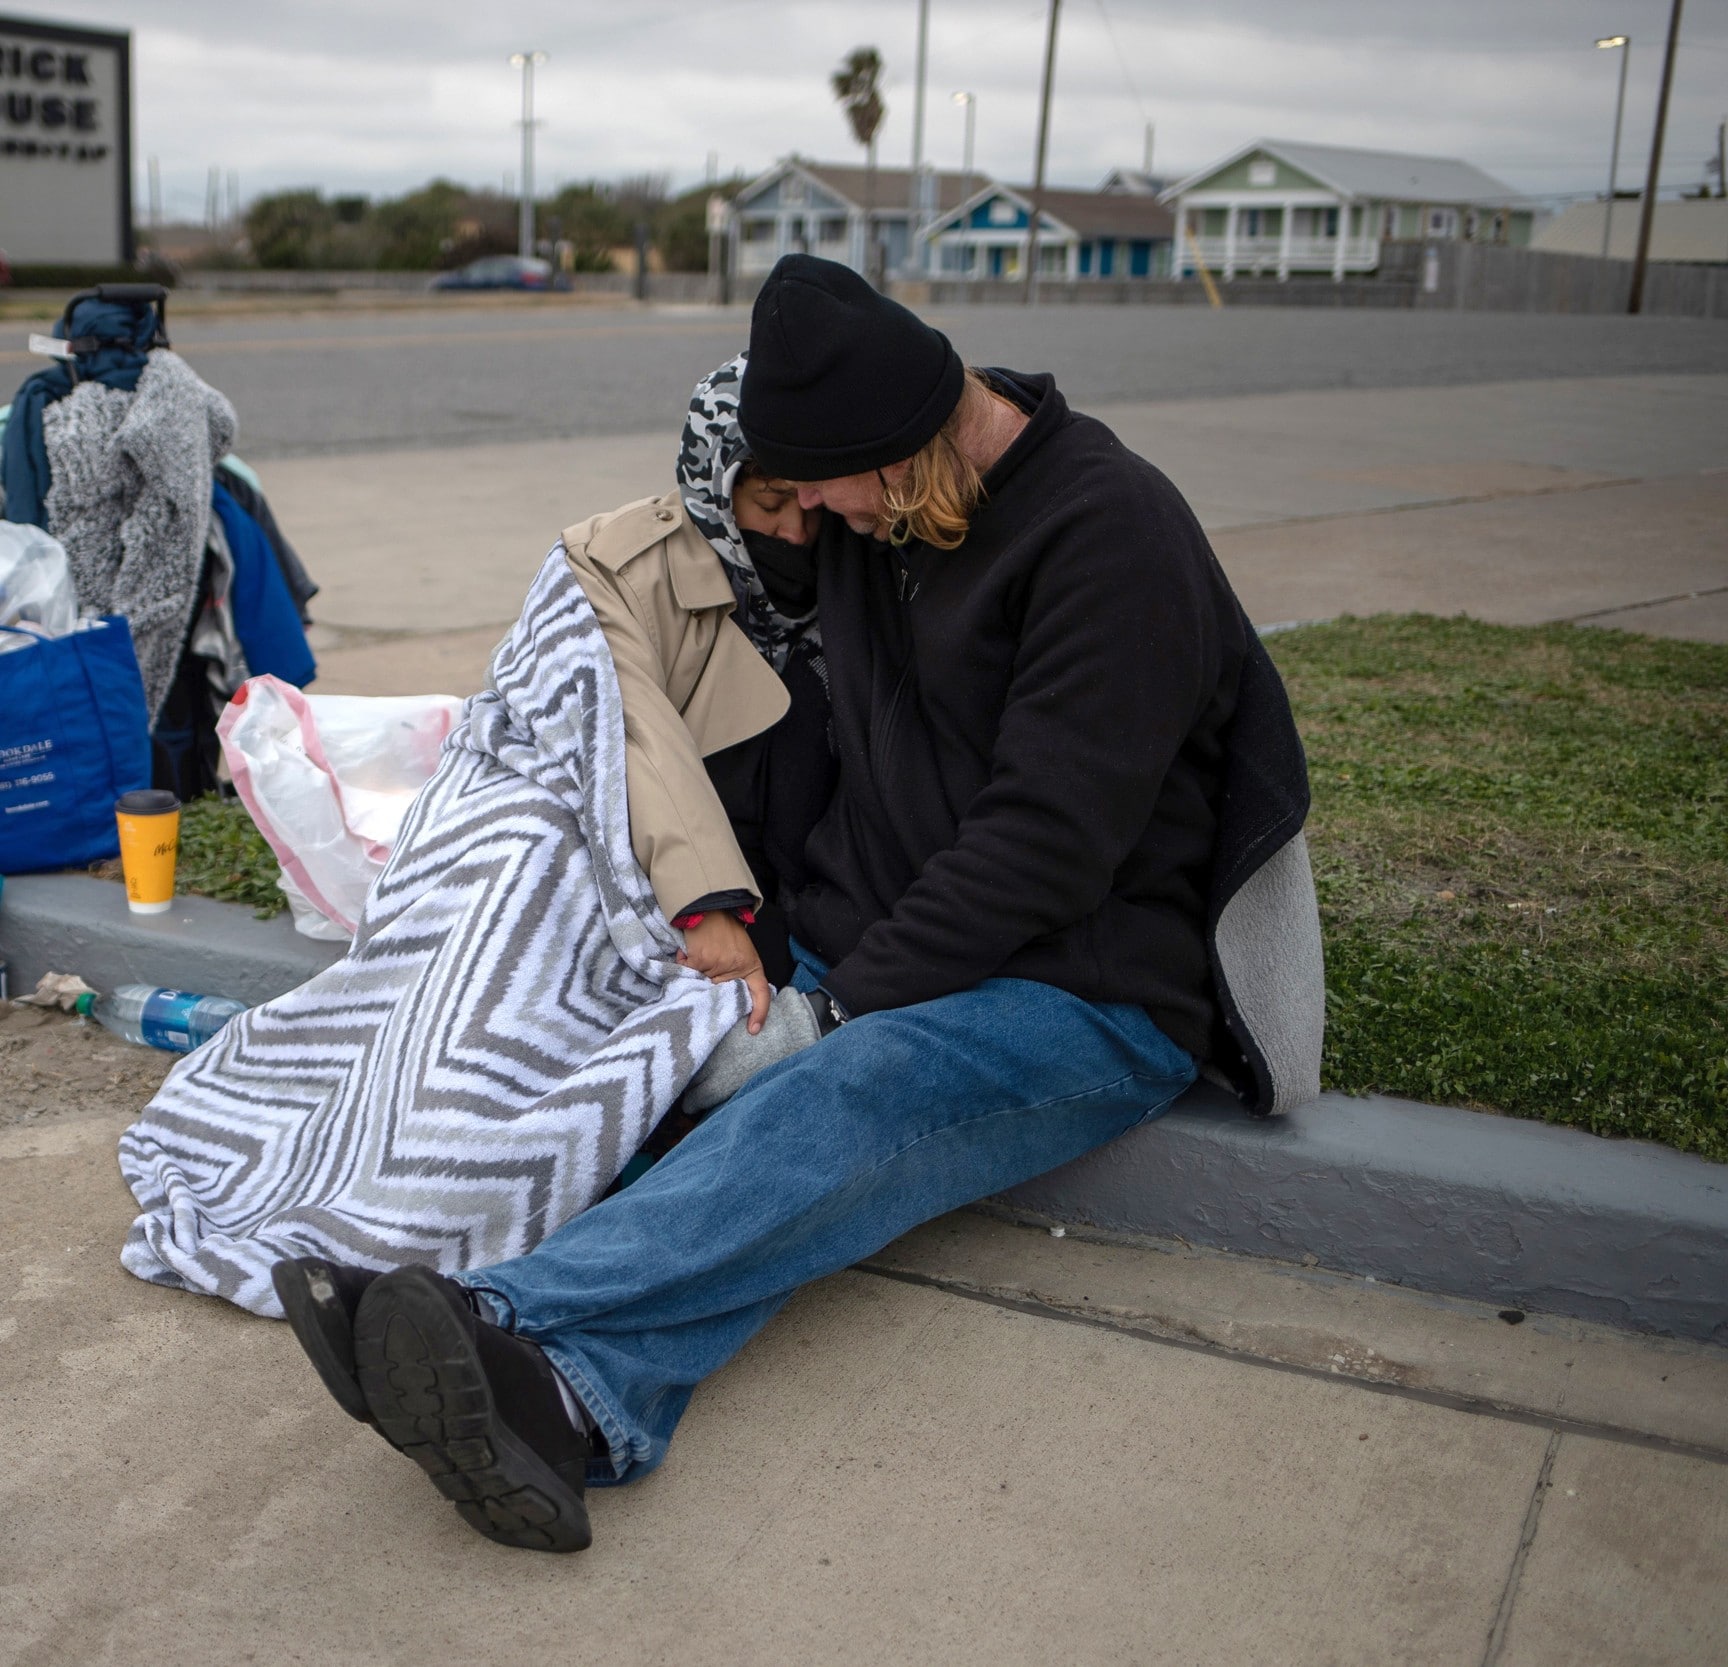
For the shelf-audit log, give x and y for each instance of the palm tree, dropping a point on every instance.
(857, 84)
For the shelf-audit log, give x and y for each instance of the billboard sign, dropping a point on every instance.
(65, 144)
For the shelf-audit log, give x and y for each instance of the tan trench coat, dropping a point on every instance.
(691, 683)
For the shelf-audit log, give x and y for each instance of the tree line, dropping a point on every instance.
(444, 225)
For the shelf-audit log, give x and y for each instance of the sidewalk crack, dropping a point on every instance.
(1651, 602)
(1416, 505)
(1526, 1538)
(1147, 1329)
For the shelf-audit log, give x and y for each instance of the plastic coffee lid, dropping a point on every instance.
(147, 801)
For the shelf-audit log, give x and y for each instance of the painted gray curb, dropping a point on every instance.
(73, 923)
(1523, 1215)
(1491, 1208)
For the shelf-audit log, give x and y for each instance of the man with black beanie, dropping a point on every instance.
(1062, 868)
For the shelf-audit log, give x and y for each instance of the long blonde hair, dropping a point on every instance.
(942, 488)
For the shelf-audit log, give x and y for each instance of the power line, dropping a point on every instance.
(1122, 61)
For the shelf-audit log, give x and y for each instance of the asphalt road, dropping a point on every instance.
(341, 382)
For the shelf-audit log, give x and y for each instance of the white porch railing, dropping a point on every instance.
(1264, 254)
(755, 258)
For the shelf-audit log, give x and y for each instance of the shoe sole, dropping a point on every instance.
(320, 1323)
(431, 1400)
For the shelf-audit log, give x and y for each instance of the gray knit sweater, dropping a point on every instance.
(129, 497)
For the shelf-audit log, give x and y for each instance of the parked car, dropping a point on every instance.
(503, 272)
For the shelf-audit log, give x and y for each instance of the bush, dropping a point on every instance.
(590, 217)
(682, 232)
(290, 230)
(88, 277)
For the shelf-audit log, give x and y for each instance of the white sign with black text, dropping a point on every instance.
(65, 144)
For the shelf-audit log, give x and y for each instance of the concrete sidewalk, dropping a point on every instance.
(990, 1446)
(1518, 502)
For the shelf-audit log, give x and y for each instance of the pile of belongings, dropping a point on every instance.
(123, 453)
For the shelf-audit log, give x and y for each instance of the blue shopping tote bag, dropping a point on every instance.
(74, 736)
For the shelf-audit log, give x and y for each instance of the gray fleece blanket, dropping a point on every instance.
(129, 497)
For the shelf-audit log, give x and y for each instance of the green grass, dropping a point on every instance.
(223, 855)
(1520, 840)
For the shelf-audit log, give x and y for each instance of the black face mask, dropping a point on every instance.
(787, 571)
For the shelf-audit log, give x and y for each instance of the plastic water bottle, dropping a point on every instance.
(176, 1021)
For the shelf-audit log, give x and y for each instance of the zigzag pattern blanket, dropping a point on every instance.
(508, 1027)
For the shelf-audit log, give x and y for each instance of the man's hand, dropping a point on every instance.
(721, 950)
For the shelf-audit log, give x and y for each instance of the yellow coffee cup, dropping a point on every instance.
(149, 842)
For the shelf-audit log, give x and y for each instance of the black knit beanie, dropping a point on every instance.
(841, 380)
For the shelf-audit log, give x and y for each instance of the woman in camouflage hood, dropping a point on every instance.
(713, 463)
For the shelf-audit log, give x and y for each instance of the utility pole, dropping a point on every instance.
(1635, 302)
(525, 61)
(1031, 292)
(915, 216)
(1624, 43)
(717, 226)
(1147, 168)
(155, 174)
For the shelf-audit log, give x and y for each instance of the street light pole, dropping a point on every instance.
(970, 102)
(525, 61)
(1624, 42)
(1635, 301)
(915, 251)
(1031, 292)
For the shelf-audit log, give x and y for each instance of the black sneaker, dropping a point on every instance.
(320, 1300)
(476, 1407)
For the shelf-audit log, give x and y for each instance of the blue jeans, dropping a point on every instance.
(815, 1163)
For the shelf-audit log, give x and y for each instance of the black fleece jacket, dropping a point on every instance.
(1031, 737)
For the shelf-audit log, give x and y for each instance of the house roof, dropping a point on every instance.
(1135, 181)
(893, 185)
(1085, 213)
(1109, 214)
(1394, 175)
(1694, 229)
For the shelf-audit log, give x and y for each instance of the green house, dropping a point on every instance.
(1276, 208)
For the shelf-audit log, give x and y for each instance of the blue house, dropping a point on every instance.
(1081, 234)
(827, 209)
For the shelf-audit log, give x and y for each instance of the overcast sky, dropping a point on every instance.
(379, 95)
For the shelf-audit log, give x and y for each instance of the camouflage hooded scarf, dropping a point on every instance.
(712, 452)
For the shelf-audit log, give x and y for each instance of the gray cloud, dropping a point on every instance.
(380, 96)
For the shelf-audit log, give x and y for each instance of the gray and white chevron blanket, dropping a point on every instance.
(508, 1027)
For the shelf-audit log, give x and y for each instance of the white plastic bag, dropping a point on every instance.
(36, 589)
(328, 779)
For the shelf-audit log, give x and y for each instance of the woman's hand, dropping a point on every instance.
(720, 949)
